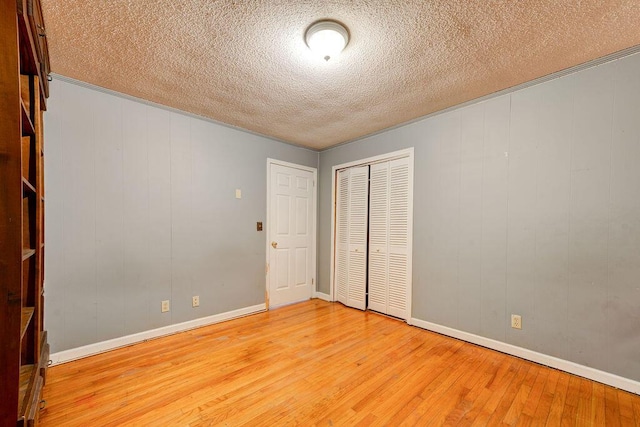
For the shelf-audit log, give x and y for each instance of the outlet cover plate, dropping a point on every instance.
(195, 301)
(516, 321)
(164, 307)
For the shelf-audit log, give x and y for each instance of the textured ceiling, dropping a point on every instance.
(245, 63)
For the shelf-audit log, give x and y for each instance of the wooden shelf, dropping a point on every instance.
(27, 253)
(27, 125)
(26, 374)
(27, 315)
(45, 353)
(27, 187)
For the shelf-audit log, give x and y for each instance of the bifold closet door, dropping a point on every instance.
(379, 237)
(389, 278)
(352, 216)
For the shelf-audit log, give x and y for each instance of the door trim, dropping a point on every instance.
(408, 152)
(314, 197)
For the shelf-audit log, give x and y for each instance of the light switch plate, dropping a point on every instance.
(238, 193)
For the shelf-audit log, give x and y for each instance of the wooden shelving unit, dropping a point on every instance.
(24, 351)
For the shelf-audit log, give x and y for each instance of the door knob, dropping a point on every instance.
(274, 244)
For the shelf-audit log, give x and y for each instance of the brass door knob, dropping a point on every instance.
(274, 244)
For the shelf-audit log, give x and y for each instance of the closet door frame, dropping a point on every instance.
(406, 153)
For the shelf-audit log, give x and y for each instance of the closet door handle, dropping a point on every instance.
(274, 244)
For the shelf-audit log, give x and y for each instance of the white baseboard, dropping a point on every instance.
(322, 296)
(543, 359)
(101, 347)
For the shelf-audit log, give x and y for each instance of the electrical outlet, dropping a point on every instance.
(195, 301)
(516, 321)
(165, 306)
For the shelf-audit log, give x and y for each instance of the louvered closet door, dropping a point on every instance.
(351, 236)
(342, 236)
(399, 241)
(379, 237)
(389, 278)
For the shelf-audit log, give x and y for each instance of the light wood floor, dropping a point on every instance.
(317, 363)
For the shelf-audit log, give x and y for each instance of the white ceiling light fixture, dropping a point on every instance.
(327, 38)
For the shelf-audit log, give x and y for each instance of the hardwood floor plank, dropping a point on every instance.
(612, 409)
(412, 384)
(535, 396)
(597, 417)
(472, 392)
(511, 394)
(559, 399)
(319, 363)
(405, 411)
(472, 414)
(518, 405)
(524, 421)
(450, 406)
(380, 367)
(625, 402)
(636, 410)
(441, 392)
(502, 368)
(584, 401)
(546, 398)
(570, 412)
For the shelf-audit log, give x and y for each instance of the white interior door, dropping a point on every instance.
(291, 230)
(351, 236)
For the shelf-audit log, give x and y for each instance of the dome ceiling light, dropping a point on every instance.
(327, 38)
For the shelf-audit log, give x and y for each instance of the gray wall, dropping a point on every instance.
(528, 203)
(140, 207)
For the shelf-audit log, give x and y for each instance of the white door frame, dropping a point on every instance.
(408, 152)
(314, 201)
